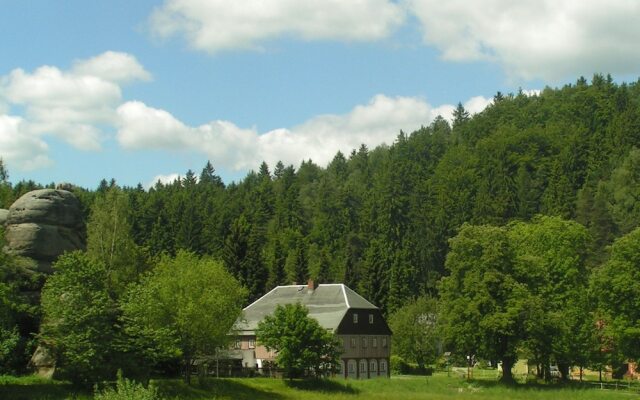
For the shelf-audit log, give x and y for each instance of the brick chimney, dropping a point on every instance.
(312, 285)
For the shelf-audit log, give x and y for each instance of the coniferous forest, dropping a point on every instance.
(392, 221)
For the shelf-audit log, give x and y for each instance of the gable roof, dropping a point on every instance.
(328, 304)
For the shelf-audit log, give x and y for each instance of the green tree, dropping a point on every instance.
(615, 290)
(550, 256)
(415, 335)
(110, 239)
(297, 264)
(80, 319)
(460, 115)
(303, 347)
(184, 309)
(625, 192)
(485, 306)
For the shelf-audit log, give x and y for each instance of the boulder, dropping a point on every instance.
(43, 362)
(46, 206)
(43, 224)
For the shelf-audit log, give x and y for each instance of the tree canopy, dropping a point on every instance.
(303, 347)
(185, 308)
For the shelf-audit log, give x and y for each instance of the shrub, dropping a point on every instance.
(399, 365)
(127, 390)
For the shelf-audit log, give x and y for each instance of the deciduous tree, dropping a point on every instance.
(303, 347)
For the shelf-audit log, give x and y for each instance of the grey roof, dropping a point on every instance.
(328, 304)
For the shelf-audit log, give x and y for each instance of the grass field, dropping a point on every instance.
(399, 387)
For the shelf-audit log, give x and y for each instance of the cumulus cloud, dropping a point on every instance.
(545, 39)
(72, 104)
(215, 25)
(112, 66)
(165, 179)
(377, 122)
(20, 149)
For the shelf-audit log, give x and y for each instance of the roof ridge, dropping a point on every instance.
(344, 292)
(260, 298)
(359, 297)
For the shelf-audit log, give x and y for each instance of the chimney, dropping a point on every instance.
(312, 285)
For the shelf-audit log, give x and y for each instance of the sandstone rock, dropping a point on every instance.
(42, 241)
(46, 206)
(43, 362)
(43, 224)
(65, 186)
(4, 214)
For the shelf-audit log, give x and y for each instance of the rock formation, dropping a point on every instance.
(43, 224)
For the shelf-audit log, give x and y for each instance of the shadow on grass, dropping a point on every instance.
(321, 385)
(43, 391)
(530, 385)
(214, 389)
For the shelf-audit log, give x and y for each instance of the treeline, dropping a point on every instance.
(381, 220)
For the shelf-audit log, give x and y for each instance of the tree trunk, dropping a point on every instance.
(507, 365)
(564, 371)
(581, 373)
(187, 370)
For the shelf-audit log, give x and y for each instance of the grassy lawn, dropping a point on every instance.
(400, 387)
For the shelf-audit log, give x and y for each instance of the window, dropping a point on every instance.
(355, 318)
(353, 343)
(374, 342)
(384, 342)
(352, 367)
(383, 365)
(364, 342)
(252, 343)
(238, 344)
(371, 318)
(372, 366)
(363, 366)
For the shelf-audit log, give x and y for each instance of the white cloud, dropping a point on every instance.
(215, 25)
(379, 121)
(546, 39)
(165, 179)
(19, 149)
(73, 104)
(112, 66)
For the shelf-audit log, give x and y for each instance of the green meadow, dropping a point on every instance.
(398, 387)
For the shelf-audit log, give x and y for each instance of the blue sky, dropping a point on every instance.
(141, 90)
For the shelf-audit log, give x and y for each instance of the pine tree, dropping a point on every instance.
(235, 247)
(460, 116)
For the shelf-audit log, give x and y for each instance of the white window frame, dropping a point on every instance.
(371, 319)
(355, 318)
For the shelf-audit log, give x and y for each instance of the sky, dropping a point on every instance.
(144, 90)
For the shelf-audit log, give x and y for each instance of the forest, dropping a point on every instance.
(537, 189)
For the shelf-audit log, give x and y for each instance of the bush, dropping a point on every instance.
(399, 366)
(127, 390)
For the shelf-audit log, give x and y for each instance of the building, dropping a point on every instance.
(359, 326)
